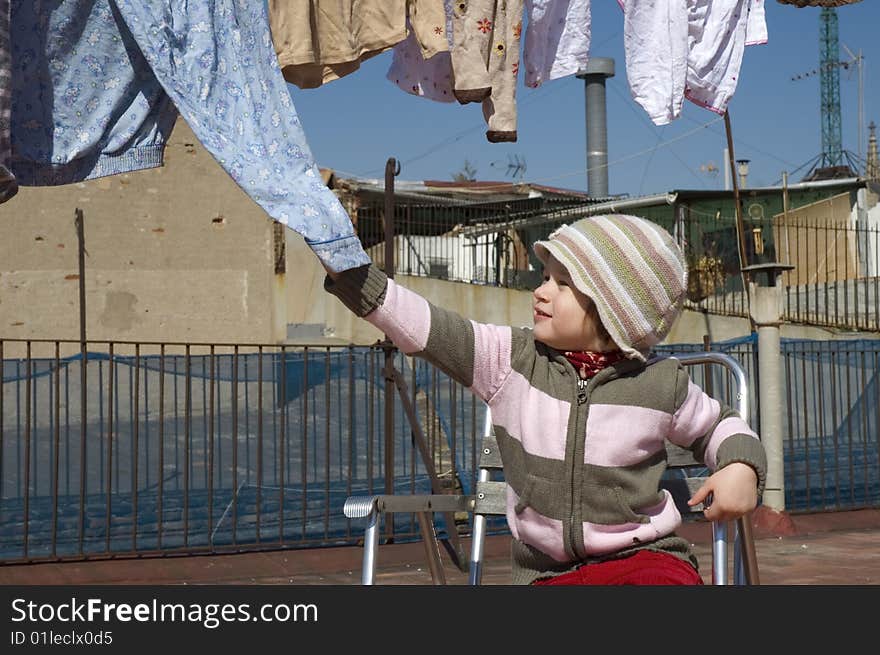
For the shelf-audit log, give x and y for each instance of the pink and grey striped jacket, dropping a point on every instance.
(583, 460)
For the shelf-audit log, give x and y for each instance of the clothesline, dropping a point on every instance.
(583, 172)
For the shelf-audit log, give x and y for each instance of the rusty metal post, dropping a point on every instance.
(391, 169)
(83, 378)
(394, 384)
(740, 228)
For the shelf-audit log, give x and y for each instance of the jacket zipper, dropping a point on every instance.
(575, 489)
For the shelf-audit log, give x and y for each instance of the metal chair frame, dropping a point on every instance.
(489, 500)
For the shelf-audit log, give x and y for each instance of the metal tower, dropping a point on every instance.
(829, 80)
(833, 161)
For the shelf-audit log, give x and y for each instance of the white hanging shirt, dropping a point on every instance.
(716, 41)
(557, 40)
(689, 49)
(655, 41)
(756, 28)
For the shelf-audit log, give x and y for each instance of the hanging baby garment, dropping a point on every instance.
(421, 65)
(318, 41)
(655, 40)
(485, 60)
(716, 41)
(756, 28)
(557, 40)
(691, 49)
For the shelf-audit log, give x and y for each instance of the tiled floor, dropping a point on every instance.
(831, 548)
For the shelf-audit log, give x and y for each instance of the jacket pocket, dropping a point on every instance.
(606, 506)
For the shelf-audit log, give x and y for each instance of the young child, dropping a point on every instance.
(580, 409)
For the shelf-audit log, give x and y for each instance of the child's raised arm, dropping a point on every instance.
(477, 355)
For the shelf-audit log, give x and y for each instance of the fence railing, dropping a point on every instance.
(835, 282)
(209, 448)
(197, 448)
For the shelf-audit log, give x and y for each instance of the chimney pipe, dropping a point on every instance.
(594, 75)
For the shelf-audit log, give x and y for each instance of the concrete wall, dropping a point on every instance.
(177, 253)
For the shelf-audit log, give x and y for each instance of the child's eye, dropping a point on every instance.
(563, 283)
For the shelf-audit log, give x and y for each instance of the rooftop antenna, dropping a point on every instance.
(516, 167)
(859, 62)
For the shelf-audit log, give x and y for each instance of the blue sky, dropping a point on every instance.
(355, 123)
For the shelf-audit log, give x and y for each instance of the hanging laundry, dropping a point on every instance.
(431, 24)
(655, 40)
(422, 66)
(557, 40)
(318, 41)
(716, 41)
(693, 49)
(756, 28)
(97, 85)
(8, 184)
(485, 60)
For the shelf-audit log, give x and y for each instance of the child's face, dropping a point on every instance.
(561, 315)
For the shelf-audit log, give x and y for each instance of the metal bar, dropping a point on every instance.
(747, 544)
(259, 439)
(27, 448)
(478, 536)
(327, 443)
(419, 438)
(834, 424)
(57, 446)
(161, 465)
(283, 435)
(211, 439)
(719, 553)
(234, 403)
(135, 446)
(187, 415)
(206, 428)
(432, 550)
(352, 452)
(740, 229)
(108, 501)
(391, 169)
(304, 464)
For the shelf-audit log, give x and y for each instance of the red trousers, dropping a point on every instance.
(644, 568)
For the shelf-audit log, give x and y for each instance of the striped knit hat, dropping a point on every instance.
(630, 268)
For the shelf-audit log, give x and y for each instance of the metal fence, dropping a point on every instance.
(196, 448)
(835, 283)
(152, 448)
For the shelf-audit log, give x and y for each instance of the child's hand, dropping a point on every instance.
(734, 489)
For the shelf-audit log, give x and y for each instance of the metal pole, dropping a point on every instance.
(391, 169)
(83, 378)
(740, 230)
